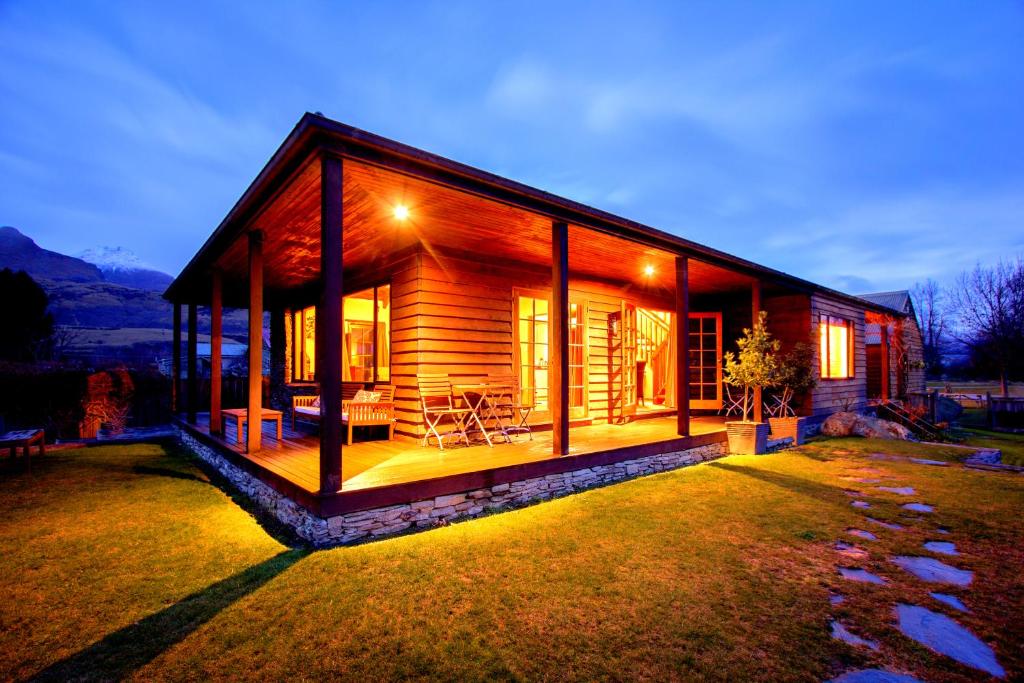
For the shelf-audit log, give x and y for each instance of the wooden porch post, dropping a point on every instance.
(559, 366)
(176, 361)
(216, 340)
(883, 328)
(254, 418)
(329, 322)
(193, 380)
(755, 305)
(682, 346)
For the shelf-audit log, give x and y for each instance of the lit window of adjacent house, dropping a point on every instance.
(836, 347)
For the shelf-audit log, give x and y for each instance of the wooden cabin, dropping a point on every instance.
(380, 263)
(894, 348)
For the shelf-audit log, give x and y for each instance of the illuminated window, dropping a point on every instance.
(304, 341)
(836, 348)
(366, 338)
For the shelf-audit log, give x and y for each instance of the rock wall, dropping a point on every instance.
(440, 510)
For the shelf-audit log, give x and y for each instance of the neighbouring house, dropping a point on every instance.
(382, 264)
(894, 347)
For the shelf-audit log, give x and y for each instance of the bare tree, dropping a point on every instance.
(931, 307)
(989, 306)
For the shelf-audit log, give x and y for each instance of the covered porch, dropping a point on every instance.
(378, 472)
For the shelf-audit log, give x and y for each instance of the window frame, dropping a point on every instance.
(297, 352)
(826, 321)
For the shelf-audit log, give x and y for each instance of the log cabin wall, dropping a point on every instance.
(789, 321)
(832, 395)
(456, 317)
(914, 344)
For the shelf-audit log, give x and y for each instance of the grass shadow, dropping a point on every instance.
(120, 653)
(824, 492)
(166, 472)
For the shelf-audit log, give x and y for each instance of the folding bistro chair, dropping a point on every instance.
(511, 407)
(731, 403)
(438, 405)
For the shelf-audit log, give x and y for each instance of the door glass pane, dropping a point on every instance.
(384, 333)
(533, 352)
(358, 358)
(577, 330)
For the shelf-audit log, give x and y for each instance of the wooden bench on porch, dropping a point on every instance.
(380, 413)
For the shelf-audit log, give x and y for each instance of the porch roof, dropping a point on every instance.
(284, 201)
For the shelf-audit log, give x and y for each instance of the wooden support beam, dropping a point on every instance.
(329, 322)
(216, 342)
(682, 313)
(883, 328)
(254, 431)
(559, 366)
(755, 306)
(176, 360)
(193, 363)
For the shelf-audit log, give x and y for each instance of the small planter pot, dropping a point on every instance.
(792, 427)
(750, 438)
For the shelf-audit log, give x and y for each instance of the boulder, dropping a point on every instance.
(839, 424)
(854, 424)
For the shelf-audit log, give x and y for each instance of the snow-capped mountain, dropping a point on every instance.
(122, 266)
(113, 258)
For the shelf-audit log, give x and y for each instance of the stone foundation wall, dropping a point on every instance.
(438, 511)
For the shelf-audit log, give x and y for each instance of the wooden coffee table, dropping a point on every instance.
(241, 416)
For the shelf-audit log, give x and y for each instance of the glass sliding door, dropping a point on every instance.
(628, 356)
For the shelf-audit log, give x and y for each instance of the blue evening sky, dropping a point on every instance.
(863, 145)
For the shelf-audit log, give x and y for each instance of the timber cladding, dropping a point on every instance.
(454, 314)
(838, 394)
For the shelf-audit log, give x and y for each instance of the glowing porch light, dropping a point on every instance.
(648, 270)
(401, 212)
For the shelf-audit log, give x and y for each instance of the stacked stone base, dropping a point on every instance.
(440, 510)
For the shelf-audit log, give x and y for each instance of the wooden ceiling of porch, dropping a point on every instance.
(441, 219)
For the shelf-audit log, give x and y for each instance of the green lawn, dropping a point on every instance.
(126, 562)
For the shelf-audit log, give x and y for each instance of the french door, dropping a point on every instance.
(533, 354)
(705, 331)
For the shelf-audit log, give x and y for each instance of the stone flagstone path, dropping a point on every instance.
(934, 571)
(932, 629)
(943, 635)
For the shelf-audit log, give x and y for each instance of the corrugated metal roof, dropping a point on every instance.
(898, 299)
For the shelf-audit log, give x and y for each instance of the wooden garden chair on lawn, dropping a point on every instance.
(438, 406)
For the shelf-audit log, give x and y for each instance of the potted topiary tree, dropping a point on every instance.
(795, 377)
(755, 366)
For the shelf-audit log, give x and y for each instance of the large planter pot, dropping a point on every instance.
(749, 438)
(792, 427)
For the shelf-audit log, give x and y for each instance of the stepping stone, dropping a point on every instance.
(874, 676)
(919, 507)
(849, 550)
(887, 525)
(941, 547)
(867, 480)
(926, 461)
(851, 492)
(860, 533)
(861, 504)
(885, 456)
(860, 575)
(942, 530)
(836, 599)
(934, 571)
(839, 632)
(900, 490)
(941, 634)
(950, 600)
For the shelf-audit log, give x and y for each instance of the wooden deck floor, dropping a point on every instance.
(373, 464)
